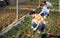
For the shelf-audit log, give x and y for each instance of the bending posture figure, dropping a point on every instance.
(44, 11)
(38, 22)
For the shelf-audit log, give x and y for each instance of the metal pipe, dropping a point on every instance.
(16, 10)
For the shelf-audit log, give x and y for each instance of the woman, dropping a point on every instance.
(38, 22)
(44, 11)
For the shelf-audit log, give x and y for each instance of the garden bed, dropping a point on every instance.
(8, 16)
(24, 29)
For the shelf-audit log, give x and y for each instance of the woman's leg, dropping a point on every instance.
(34, 24)
(45, 14)
(41, 27)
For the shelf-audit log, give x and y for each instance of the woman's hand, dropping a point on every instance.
(34, 29)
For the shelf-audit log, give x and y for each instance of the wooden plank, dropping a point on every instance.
(59, 5)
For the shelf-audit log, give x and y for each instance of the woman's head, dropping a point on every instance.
(32, 12)
(44, 2)
(41, 6)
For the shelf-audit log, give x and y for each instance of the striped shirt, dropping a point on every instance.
(38, 18)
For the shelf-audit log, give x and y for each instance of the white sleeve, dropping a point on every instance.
(38, 7)
(44, 8)
(50, 4)
(41, 12)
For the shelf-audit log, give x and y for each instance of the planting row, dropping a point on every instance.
(8, 16)
(24, 29)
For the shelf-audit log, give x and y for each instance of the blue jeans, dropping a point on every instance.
(34, 24)
(41, 26)
(44, 13)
